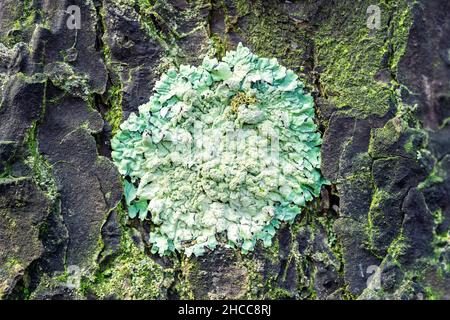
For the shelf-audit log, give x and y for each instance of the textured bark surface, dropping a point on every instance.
(381, 230)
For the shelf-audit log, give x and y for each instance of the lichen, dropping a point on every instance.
(226, 148)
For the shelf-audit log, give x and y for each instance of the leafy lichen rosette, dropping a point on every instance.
(222, 152)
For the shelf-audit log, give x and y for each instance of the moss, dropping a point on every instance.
(9, 220)
(63, 277)
(132, 275)
(441, 245)
(147, 15)
(183, 286)
(25, 17)
(42, 170)
(328, 225)
(255, 283)
(114, 95)
(258, 285)
(409, 145)
(63, 76)
(114, 115)
(351, 56)
(166, 32)
(400, 25)
(436, 176)
(21, 289)
(265, 30)
(432, 179)
(375, 213)
(361, 179)
(219, 44)
(346, 293)
(432, 294)
(357, 55)
(279, 293)
(12, 265)
(272, 253)
(386, 136)
(7, 171)
(397, 248)
(438, 217)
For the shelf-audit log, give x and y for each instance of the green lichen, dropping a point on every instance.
(229, 147)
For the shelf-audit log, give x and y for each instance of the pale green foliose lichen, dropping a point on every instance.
(224, 151)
